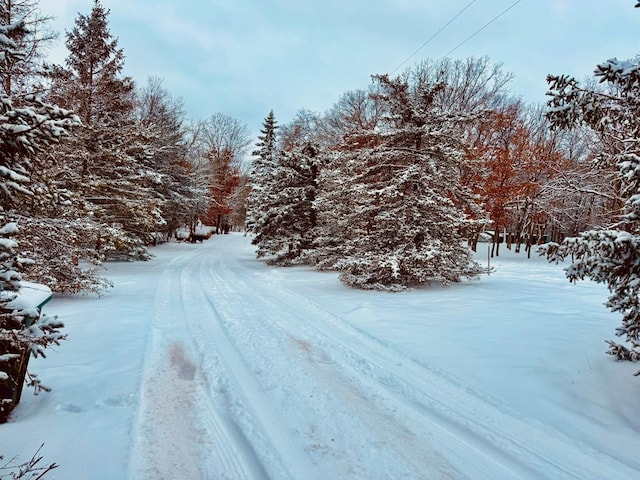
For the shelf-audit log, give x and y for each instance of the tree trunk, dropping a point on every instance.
(495, 247)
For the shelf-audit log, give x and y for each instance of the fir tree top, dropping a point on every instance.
(96, 62)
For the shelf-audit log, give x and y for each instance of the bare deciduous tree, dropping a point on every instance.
(16, 77)
(225, 141)
(472, 83)
(355, 111)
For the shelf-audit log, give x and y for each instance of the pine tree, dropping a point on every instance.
(44, 229)
(109, 164)
(392, 207)
(267, 141)
(611, 254)
(93, 71)
(286, 227)
(260, 177)
(25, 133)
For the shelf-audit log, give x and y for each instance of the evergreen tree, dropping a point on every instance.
(392, 207)
(611, 254)
(267, 141)
(109, 165)
(262, 169)
(93, 72)
(286, 226)
(25, 133)
(45, 233)
(58, 248)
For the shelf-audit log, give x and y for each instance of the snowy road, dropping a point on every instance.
(205, 364)
(245, 378)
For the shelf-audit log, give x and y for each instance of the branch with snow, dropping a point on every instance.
(29, 470)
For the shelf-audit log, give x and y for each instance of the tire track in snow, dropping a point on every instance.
(475, 432)
(164, 441)
(379, 410)
(249, 326)
(246, 411)
(471, 431)
(179, 433)
(227, 456)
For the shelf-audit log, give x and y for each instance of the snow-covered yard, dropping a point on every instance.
(204, 363)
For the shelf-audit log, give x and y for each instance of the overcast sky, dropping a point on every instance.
(246, 57)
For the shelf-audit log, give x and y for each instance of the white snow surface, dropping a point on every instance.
(30, 295)
(205, 363)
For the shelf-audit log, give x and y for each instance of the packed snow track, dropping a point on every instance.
(246, 379)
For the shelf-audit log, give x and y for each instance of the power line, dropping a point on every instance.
(433, 36)
(481, 28)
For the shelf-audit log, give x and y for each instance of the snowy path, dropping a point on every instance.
(205, 364)
(246, 379)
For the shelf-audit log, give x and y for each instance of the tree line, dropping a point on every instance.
(128, 173)
(396, 177)
(388, 185)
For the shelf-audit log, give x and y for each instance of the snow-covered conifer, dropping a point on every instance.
(610, 254)
(25, 133)
(261, 175)
(109, 164)
(391, 205)
(285, 229)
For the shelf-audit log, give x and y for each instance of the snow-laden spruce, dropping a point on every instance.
(611, 254)
(263, 166)
(391, 207)
(286, 228)
(120, 168)
(26, 132)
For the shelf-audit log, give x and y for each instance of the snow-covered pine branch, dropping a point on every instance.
(608, 255)
(26, 132)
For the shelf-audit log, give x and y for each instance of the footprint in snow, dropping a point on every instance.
(69, 408)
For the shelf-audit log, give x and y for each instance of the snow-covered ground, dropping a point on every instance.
(207, 364)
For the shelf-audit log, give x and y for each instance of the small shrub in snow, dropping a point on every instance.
(33, 469)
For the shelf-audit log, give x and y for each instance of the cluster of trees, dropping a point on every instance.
(610, 253)
(133, 169)
(386, 185)
(93, 168)
(28, 126)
